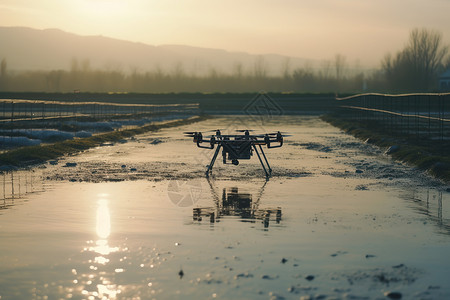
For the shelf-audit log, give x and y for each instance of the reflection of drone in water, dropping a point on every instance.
(238, 146)
(235, 203)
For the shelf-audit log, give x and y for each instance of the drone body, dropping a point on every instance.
(238, 146)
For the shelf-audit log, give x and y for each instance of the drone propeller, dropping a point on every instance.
(283, 133)
(244, 130)
(194, 134)
(214, 130)
(258, 135)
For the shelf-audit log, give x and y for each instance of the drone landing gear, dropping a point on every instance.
(267, 170)
(213, 160)
(266, 167)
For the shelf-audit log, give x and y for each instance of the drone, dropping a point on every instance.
(238, 146)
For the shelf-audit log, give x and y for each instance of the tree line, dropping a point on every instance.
(81, 77)
(413, 69)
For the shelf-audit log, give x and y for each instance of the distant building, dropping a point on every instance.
(444, 81)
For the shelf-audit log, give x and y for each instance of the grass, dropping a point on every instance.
(428, 156)
(32, 155)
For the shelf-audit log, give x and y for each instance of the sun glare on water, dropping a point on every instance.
(103, 219)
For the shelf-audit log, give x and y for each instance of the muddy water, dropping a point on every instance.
(338, 220)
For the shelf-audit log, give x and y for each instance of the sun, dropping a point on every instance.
(102, 9)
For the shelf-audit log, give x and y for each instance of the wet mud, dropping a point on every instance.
(139, 220)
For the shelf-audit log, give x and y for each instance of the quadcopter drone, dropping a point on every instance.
(238, 146)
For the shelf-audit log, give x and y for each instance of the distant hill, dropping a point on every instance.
(53, 49)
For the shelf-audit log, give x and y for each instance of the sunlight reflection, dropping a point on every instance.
(103, 229)
(101, 260)
(103, 248)
(96, 285)
(103, 219)
(108, 290)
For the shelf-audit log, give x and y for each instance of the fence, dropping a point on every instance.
(16, 185)
(20, 110)
(32, 122)
(419, 117)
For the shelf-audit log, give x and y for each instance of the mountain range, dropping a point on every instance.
(27, 49)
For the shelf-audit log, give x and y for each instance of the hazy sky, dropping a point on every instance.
(363, 30)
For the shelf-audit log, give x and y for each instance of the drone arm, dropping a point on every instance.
(212, 142)
(211, 146)
(276, 146)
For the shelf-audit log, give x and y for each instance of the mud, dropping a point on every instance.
(338, 220)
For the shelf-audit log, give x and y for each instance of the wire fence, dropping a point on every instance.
(32, 122)
(17, 185)
(419, 117)
(20, 110)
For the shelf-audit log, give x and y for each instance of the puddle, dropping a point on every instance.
(140, 220)
(17, 186)
(233, 202)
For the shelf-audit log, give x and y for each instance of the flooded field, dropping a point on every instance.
(139, 220)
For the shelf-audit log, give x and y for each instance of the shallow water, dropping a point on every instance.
(338, 220)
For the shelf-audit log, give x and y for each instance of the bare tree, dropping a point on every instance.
(238, 70)
(178, 70)
(54, 80)
(260, 67)
(85, 65)
(325, 69)
(286, 68)
(74, 66)
(386, 62)
(339, 65)
(212, 73)
(447, 63)
(416, 67)
(425, 53)
(304, 78)
(3, 66)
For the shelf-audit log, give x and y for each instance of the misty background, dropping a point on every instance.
(56, 61)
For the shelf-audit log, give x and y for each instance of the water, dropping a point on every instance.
(337, 220)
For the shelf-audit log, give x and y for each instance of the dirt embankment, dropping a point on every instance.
(430, 157)
(32, 155)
